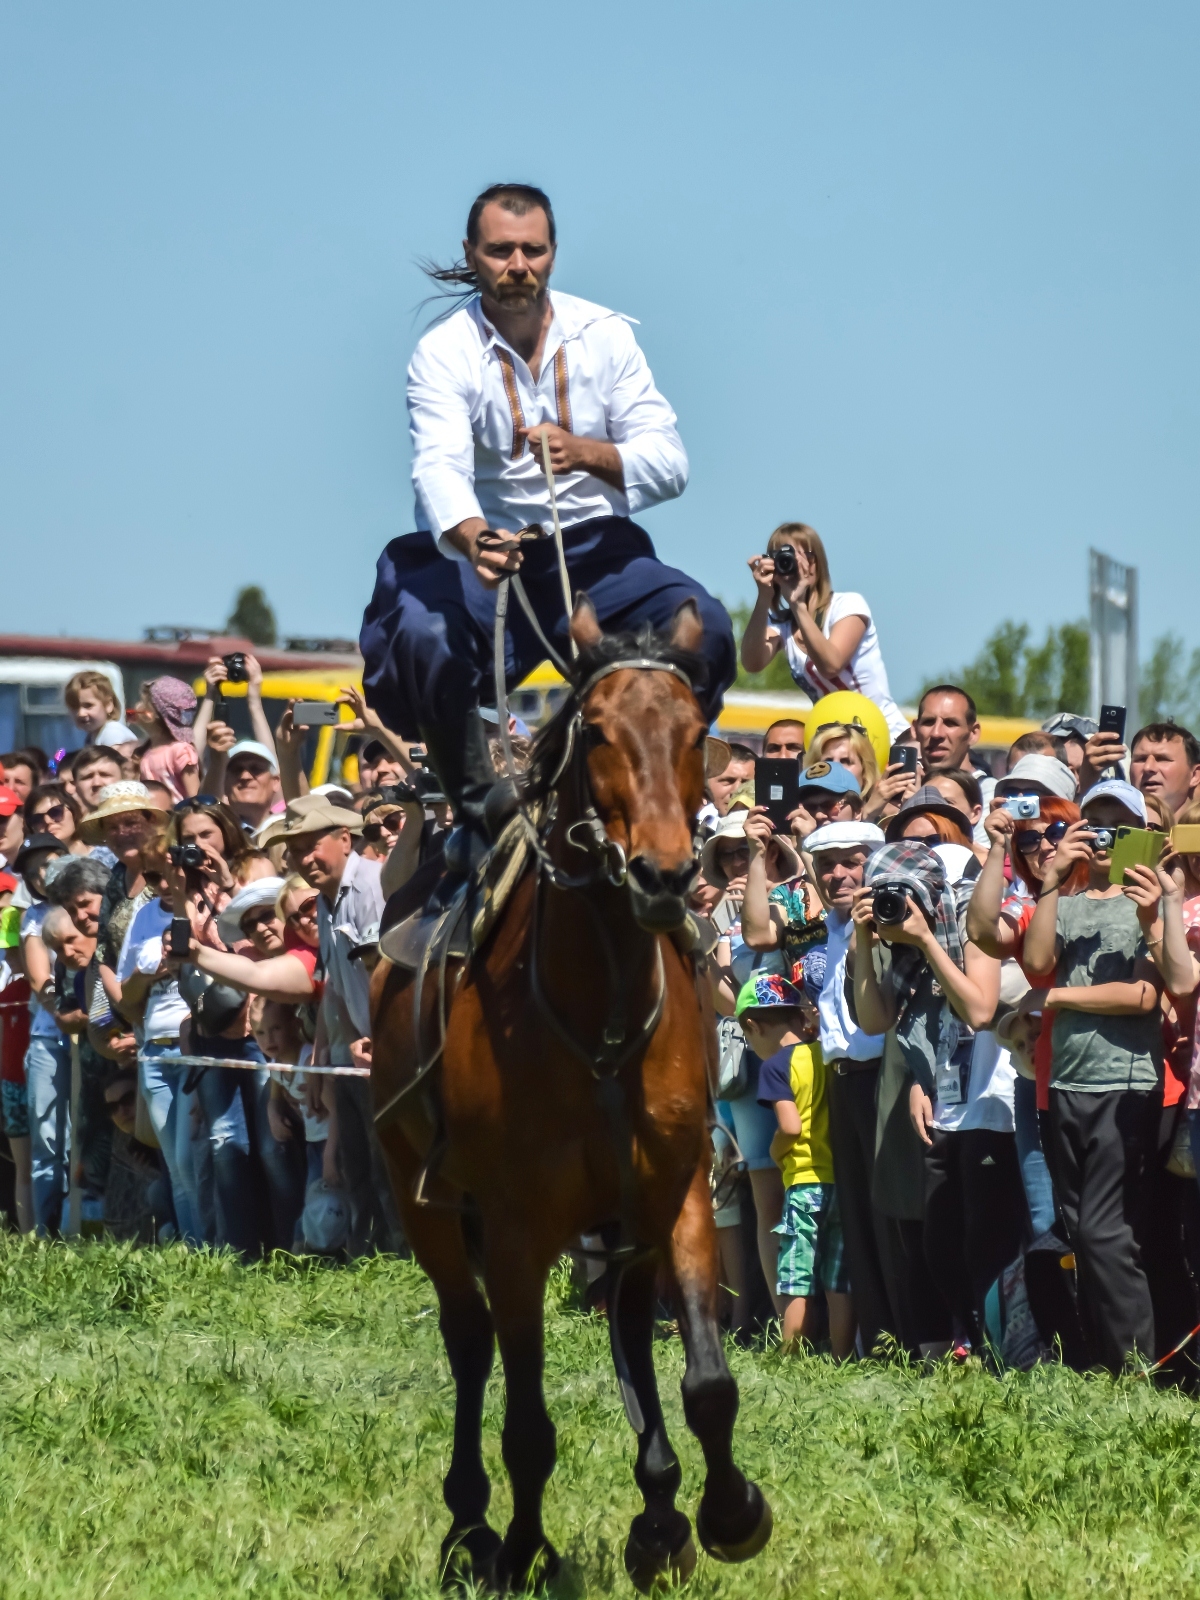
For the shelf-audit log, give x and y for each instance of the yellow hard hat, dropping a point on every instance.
(845, 705)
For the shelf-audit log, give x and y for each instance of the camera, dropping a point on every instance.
(1103, 838)
(786, 565)
(1023, 807)
(395, 794)
(235, 667)
(187, 856)
(889, 904)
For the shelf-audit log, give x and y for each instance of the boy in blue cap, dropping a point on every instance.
(780, 1027)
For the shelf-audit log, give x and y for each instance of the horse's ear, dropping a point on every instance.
(585, 628)
(687, 627)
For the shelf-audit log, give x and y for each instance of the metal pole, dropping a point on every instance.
(75, 1192)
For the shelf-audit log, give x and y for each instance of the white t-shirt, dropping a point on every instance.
(42, 1024)
(989, 1102)
(865, 672)
(840, 1035)
(142, 951)
(315, 1128)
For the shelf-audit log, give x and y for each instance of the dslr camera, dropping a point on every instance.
(889, 904)
(786, 565)
(187, 856)
(1023, 807)
(235, 667)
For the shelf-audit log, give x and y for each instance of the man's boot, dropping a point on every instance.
(458, 750)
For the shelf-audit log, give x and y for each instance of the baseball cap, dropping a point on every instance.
(10, 801)
(767, 989)
(843, 836)
(1047, 774)
(251, 747)
(828, 777)
(1116, 789)
(34, 845)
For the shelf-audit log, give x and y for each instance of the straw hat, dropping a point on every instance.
(112, 801)
(734, 827)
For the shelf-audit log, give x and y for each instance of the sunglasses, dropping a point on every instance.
(374, 831)
(258, 919)
(50, 814)
(1029, 840)
(195, 801)
(304, 912)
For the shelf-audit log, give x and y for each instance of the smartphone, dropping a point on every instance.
(315, 713)
(1134, 847)
(1185, 837)
(1112, 720)
(777, 786)
(906, 756)
(180, 939)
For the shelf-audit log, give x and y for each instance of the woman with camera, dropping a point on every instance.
(829, 637)
(916, 976)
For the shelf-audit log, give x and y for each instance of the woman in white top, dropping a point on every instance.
(829, 638)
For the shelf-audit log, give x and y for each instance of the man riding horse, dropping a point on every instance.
(514, 361)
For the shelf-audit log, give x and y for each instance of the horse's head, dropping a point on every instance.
(643, 743)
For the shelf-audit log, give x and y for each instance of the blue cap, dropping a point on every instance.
(830, 777)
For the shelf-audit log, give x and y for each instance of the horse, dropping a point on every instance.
(574, 1094)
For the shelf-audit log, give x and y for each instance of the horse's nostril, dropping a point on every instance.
(646, 875)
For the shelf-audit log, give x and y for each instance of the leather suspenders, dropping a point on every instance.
(562, 396)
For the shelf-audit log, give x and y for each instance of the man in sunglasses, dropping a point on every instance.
(252, 789)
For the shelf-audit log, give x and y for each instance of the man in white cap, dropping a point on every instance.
(251, 783)
(839, 851)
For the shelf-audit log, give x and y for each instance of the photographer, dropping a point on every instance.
(237, 667)
(1105, 1099)
(829, 638)
(915, 975)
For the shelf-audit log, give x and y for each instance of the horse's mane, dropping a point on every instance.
(644, 645)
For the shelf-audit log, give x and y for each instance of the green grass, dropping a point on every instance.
(174, 1425)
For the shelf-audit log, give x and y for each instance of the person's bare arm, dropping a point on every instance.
(787, 1116)
(828, 655)
(972, 990)
(282, 978)
(404, 855)
(761, 641)
(219, 741)
(259, 725)
(368, 721)
(1135, 999)
(1158, 895)
(38, 967)
(760, 929)
(289, 745)
(993, 933)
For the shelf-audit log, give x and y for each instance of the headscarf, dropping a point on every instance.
(915, 868)
(176, 705)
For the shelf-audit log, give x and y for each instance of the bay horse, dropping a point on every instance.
(574, 1094)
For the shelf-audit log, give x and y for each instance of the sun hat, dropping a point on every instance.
(112, 801)
(258, 892)
(828, 777)
(311, 813)
(844, 836)
(764, 990)
(176, 704)
(10, 801)
(1117, 789)
(251, 747)
(926, 799)
(734, 827)
(1047, 774)
(717, 756)
(114, 734)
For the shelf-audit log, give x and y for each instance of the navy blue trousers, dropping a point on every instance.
(427, 634)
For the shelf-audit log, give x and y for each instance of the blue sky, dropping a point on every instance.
(921, 275)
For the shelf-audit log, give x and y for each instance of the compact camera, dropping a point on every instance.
(786, 565)
(235, 667)
(889, 904)
(187, 856)
(1103, 838)
(1023, 807)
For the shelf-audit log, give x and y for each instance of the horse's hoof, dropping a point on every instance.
(739, 1549)
(658, 1558)
(469, 1556)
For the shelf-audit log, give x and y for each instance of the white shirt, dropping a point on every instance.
(357, 904)
(142, 951)
(465, 386)
(990, 1084)
(865, 672)
(840, 1035)
(42, 1025)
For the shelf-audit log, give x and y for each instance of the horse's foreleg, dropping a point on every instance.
(734, 1520)
(516, 1284)
(660, 1547)
(436, 1236)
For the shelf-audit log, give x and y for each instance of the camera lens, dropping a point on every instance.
(786, 565)
(889, 905)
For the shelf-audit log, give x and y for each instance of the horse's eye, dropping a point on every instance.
(593, 735)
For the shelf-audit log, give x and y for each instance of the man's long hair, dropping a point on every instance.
(518, 198)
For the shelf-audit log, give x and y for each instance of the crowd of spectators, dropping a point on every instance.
(958, 1095)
